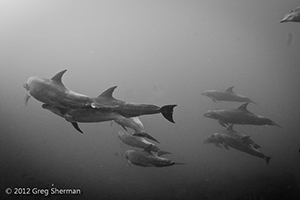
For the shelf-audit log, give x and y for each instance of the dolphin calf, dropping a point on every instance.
(139, 142)
(235, 143)
(146, 158)
(135, 124)
(53, 92)
(226, 95)
(86, 115)
(91, 115)
(128, 109)
(238, 116)
(293, 16)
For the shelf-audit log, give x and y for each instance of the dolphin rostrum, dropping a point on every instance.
(53, 92)
(146, 158)
(226, 95)
(238, 116)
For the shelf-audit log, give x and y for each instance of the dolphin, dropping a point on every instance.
(86, 115)
(146, 158)
(239, 136)
(139, 142)
(136, 124)
(226, 95)
(128, 109)
(54, 92)
(293, 16)
(238, 116)
(235, 143)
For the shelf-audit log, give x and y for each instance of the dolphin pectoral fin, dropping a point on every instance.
(27, 97)
(226, 146)
(214, 100)
(268, 158)
(222, 123)
(218, 145)
(148, 149)
(167, 112)
(75, 125)
(256, 146)
(146, 135)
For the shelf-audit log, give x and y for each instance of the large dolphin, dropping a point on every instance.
(139, 142)
(236, 143)
(135, 124)
(146, 158)
(238, 116)
(293, 16)
(226, 95)
(128, 109)
(53, 92)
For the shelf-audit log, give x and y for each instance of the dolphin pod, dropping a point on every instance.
(229, 117)
(53, 92)
(78, 108)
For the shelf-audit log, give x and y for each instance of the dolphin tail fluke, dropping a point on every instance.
(160, 153)
(146, 135)
(75, 125)
(268, 158)
(167, 112)
(27, 97)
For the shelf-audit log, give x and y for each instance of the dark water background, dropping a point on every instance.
(158, 52)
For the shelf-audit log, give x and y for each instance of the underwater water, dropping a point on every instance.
(156, 52)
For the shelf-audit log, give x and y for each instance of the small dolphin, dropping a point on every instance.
(293, 16)
(226, 95)
(233, 142)
(238, 116)
(136, 124)
(139, 142)
(53, 92)
(146, 158)
(128, 109)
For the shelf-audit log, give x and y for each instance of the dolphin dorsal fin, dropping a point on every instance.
(243, 107)
(108, 92)
(297, 9)
(148, 148)
(230, 89)
(246, 137)
(57, 77)
(229, 128)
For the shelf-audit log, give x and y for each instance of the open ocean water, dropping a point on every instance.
(156, 52)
